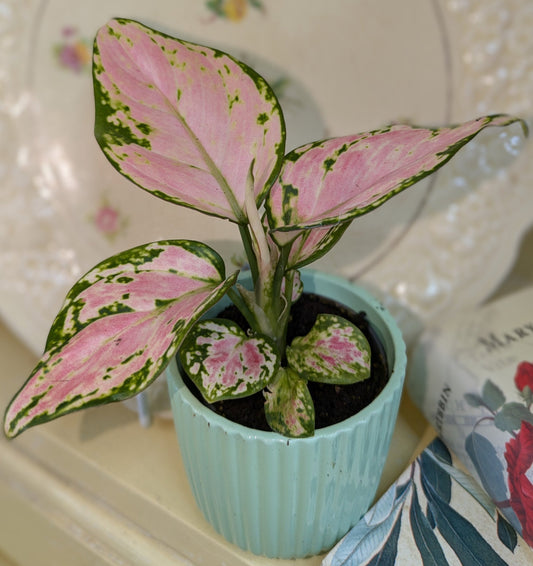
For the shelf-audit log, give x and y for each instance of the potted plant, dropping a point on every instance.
(198, 128)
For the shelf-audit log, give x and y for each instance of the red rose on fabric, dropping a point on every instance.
(519, 457)
(524, 376)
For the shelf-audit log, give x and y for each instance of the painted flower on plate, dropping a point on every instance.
(233, 10)
(108, 220)
(73, 53)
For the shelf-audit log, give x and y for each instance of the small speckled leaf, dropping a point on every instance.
(333, 181)
(183, 121)
(289, 408)
(334, 351)
(225, 363)
(118, 328)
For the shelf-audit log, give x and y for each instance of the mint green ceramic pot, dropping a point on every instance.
(290, 498)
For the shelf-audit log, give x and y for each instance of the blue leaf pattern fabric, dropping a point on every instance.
(429, 518)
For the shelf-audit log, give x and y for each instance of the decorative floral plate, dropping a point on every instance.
(337, 67)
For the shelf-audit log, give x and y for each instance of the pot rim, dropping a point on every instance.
(395, 380)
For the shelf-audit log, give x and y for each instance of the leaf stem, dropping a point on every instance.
(239, 302)
(249, 250)
(282, 310)
(256, 230)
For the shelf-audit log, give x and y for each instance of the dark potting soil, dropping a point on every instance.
(333, 403)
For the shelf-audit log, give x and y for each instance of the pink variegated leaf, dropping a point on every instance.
(225, 363)
(310, 244)
(333, 181)
(289, 408)
(119, 327)
(183, 121)
(334, 351)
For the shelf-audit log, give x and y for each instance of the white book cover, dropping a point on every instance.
(472, 377)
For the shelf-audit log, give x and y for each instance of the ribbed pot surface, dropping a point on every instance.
(291, 498)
